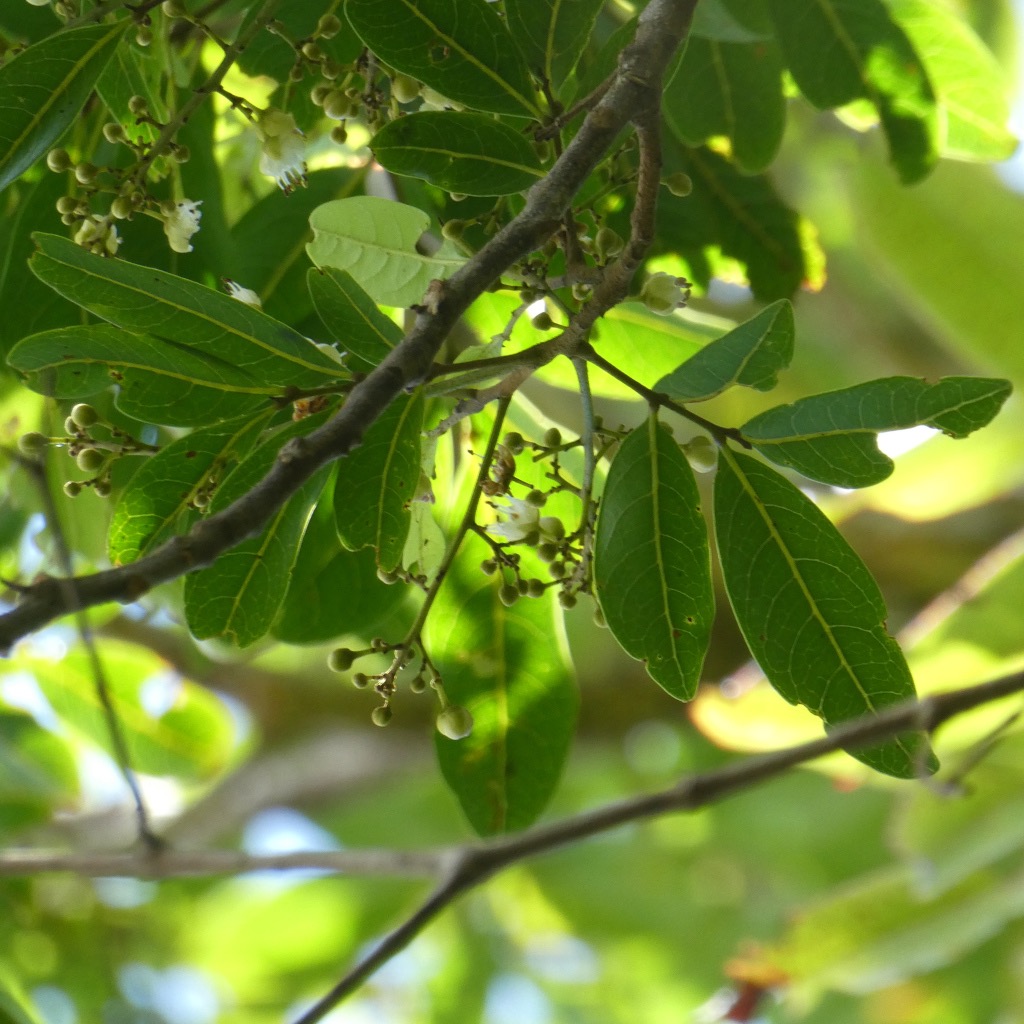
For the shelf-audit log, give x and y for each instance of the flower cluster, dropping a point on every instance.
(284, 149)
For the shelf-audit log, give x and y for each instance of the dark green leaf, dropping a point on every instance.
(460, 48)
(652, 567)
(751, 355)
(377, 481)
(131, 73)
(333, 591)
(732, 89)
(159, 495)
(172, 308)
(459, 152)
(508, 667)
(375, 241)
(731, 21)
(158, 381)
(843, 50)
(833, 437)
(810, 611)
(352, 318)
(552, 34)
(969, 83)
(43, 89)
(238, 597)
(743, 217)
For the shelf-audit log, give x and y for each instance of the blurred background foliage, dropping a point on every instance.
(882, 902)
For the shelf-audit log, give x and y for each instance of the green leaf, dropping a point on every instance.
(731, 89)
(125, 76)
(158, 381)
(751, 355)
(459, 152)
(193, 738)
(509, 668)
(727, 22)
(238, 597)
(333, 591)
(460, 48)
(377, 481)
(44, 88)
(652, 566)
(172, 308)
(971, 88)
(743, 217)
(375, 241)
(552, 34)
(352, 318)
(159, 495)
(833, 437)
(843, 50)
(811, 613)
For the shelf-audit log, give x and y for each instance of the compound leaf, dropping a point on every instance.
(652, 567)
(811, 613)
(833, 437)
(751, 354)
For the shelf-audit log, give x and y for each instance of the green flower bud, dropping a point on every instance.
(121, 208)
(67, 204)
(381, 716)
(319, 93)
(84, 415)
(89, 460)
(138, 105)
(70, 426)
(417, 684)
(339, 135)
(101, 488)
(535, 588)
(144, 36)
(58, 160)
(547, 552)
(72, 488)
(173, 9)
(453, 230)
(404, 88)
(663, 293)
(85, 172)
(514, 442)
(542, 322)
(337, 105)
(360, 680)
(311, 51)
(538, 499)
(608, 244)
(701, 453)
(566, 600)
(114, 133)
(553, 438)
(508, 595)
(341, 659)
(679, 184)
(32, 444)
(328, 26)
(387, 576)
(455, 722)
(599, 619)
(488, 566)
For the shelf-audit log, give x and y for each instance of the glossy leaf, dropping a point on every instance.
(810, 611)
(459, 152)
(377, 481)
(751, 355)
(833, 437)
(509, 668)
(352, 318)
(125, 76)
(158, 381)
(552, 34)
(652, 567)
(843, 50)
(193, 738)
(730, 89)
(460, 48)
(238, 598)
(333, 591)
(375, 241)
(173, 308)
(969, 83)
(158, 498)
(43, 89)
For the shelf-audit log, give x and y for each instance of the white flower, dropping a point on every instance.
(181, 223)
(284, 150)
(331, 352)
(246, 295)
(521, 519)
(98, 235)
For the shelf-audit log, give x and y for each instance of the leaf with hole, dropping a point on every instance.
(833, 437)
(374, 240)
(459, 152)
(811, 613)
(652, 567)
(43, 89)
(750, 355)
(460, 48)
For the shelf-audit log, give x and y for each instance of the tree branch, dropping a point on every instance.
(660, 29)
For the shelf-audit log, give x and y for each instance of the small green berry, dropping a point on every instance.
(455, 722)
(341, 659)
(121, 208)
(339, 135)
(84, 415)
(508, 595)
(679, 184)
(72, 488)
(535, 588)
(85, 172)
(360, 680)
(514, 442)
(311, 51)
(89, 460)
(488, 566)
(538, 499)
(337, 105)
(320, 93)
(144, 36)
(547, 552)
(381, 716)
(553, 438)
(417, 684)
(566, 600)
(70, 426)
(701, 454)
(32, 444)
(58, 160)
(328, 26)
(101, 488)
(113, 132)
(67, 204)
(138, 105)
(404, 88)
(542, 322)
(608, 243)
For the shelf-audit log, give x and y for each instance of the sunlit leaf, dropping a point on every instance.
(832, 437)
(842, 50)
(460, 48)
(508, 666)
(43, 89)
(652, 567)
(552, 34)
(375, 241)
(125, 76)
(160, 494)
(238, 597)
(460, 152)
(751, 355)
(810, 611)
(377, 481)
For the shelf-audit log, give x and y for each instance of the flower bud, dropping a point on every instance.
(89, 460)
(328, 26)
(553, 438)
(121, 208)
(566, 600)
(101, 488)
(339, 135)
(341, 659)
(67, 205)
(84, 415)
(514, 442)
(381, 716)
(701, 453)
(679, 184)
(538, 499)
(663, 293)
(319, 93)
(508, 595)
(58, 160)
(404, 88)
(72, 488)
(311, 51)
(542, 321)
(113, 132)
(360, 680)
(453, 229)
(337, 105)
(608, 244)
(455, 722)
(138, 105)
(32, 444)
(85, 173)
